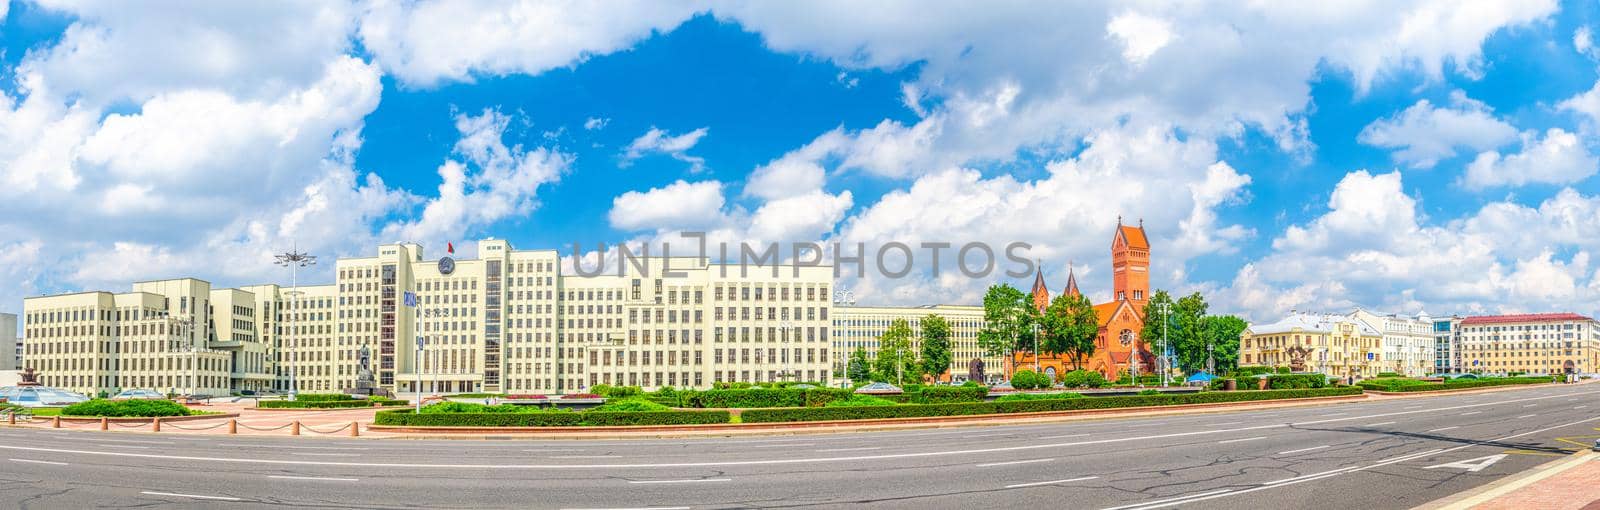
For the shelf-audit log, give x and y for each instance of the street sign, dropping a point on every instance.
(411, 299)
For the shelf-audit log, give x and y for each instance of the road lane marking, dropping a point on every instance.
(325, 454)
(1445, 428)
(1065, 436)
(273, 446)
(1471, 413)
(1332, 415)
(31, 461)
(1336, 472)
(580, 449)
(862, 449)
(583, 456)
(990, 435)
(810, 460)
(1241, 440)
(1290, 452)
(126, 446)
(1052, 482)
(693, 480)
(1159, 501)
(321, 478)
(790, 445)
(1529, 405)
(1033, 461)
(1579, 407)
(1379, 424)
(195, 496)
(1526, 416)
(127, 441)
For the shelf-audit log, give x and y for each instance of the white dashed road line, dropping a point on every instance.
(31, 461)
(694, 480)
(320, 478)
(1052, 482)
(992, 464)
(1241, 440)
(1302, 450)
(1445, 428)
(195, 496)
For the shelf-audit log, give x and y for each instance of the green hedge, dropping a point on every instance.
(320, 397)
(1084, 379)
(949, 394)
(549, 419)
(763, 397)
(1251, 371)
(126, 408)
(312, 404)
(1412, 385)
(1029, 380)
(1028, 406)
(1296, 381)
(1037, 396)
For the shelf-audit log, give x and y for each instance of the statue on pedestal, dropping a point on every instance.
(366, 384)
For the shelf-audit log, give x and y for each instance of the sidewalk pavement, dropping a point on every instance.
(1569, 483)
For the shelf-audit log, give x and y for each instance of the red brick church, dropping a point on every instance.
(1121, 319)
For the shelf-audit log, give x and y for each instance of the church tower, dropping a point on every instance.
(1130, 264)
(1041, 293)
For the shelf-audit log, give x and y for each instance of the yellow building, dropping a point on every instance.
(1547, 343)
(1334, 345)
(860, 326)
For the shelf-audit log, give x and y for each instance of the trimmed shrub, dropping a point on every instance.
(950, 394)
(311, 404)
(549, 419)
(1150, 392)
(1028, 406)
(1084, 379)
(1218, 383)
(1296, 381)
(321, 397)
(1284, 370)
(1411, 385)
(1390, 374)
(631, 405)
(126, 408)
(1251, 371)
(765, 397)
(860, 400)
(1037, 396)
(618, 392)
(1029, 380)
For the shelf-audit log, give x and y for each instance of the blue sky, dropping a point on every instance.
(1434, 156)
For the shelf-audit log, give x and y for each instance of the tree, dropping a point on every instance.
(1188, 336)
(935, 345)
(860, 366)
(1006, 326)
(1069, 326)
(1224, 331)
(895, 360)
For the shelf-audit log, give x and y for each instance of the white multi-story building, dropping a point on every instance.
(1447, 345)
(506, 321)
(859, 327)
(1408, 342)
(10, 357)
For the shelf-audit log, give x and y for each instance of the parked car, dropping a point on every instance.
(136, 394)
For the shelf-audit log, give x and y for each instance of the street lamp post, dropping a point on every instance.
(1211, 367)
(294, 260)
(1035, 347)
(1166, 370)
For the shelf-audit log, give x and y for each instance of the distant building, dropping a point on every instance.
(1334, 345)
(1408, 342)
(1447, 345)
(1541, 343)
(10, 356)
(1118, 348)
(860, 326)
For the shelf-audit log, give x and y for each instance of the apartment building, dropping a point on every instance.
(1542, 343)
(10, 347)
(1408, 342)
(860, 327)
(1334, 345)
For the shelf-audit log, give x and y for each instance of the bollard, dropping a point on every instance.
(11, 418)
(155, 425)
(233, 426)
(355, 429)
(105, 423)
(294, 428)
(55, 423)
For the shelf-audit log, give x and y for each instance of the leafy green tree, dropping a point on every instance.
(1006, 325)
(896, 362)
(860, 367)
(1069, 327)
(1153, 319)
(1188, 336)
(1224, 331)
(935, 345)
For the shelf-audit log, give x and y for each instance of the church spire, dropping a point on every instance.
(1041, 292)
(1072, 282)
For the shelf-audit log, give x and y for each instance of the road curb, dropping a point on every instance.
(1490, 491)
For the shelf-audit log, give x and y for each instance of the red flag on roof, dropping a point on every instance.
(450, 247)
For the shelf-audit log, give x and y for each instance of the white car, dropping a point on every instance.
(139, 395)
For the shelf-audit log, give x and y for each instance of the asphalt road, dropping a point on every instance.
(1385, 454)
